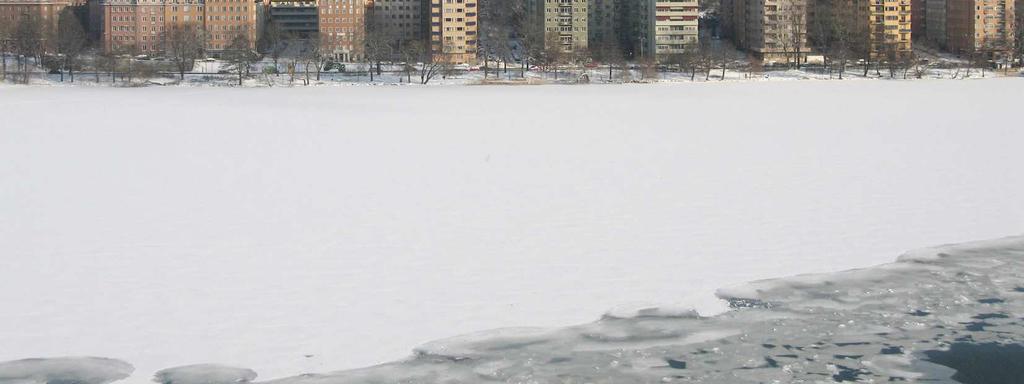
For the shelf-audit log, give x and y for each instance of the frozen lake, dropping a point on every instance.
(315, 229)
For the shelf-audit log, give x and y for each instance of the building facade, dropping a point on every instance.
(603, 19)
(771, 30)
(400, 18)
(454, 30)
(133, 27)
(674, 26)
(47, 12)
(889, 25)
(935, 15)
(565, 23)
(980, 25)
(141, 26)
(225, 19)
(342, 28)
(918, 18)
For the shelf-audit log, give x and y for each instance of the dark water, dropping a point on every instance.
(988, 363)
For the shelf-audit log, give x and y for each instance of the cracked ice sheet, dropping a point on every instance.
(891, 322)
(875, 324)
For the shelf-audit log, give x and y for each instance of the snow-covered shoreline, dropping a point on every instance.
(594, 76)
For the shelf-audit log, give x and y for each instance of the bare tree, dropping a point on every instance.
(411, 53)
(610, 52)
(533, 43)
(71, 41)
(185, 44)
(28, 44)
(830, 34)
(689, 59)
(435, 63)
(128, 52)
(553, 55)
(794, 31)
(239, 55)
(379, 41)
(273, 42)
(1018, 36)
(106, 61)
(308, 56)
(6, 45)
(706, 57)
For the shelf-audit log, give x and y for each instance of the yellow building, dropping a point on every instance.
(979, 25)
(453, 30)
(888, 24)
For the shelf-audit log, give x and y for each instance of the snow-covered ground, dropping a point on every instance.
(293, 230)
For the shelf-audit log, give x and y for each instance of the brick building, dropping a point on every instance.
(141, 26)
(46, 11)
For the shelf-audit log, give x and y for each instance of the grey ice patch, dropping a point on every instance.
(204, 374)
(64, 370)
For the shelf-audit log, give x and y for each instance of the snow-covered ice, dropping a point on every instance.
(316, 229)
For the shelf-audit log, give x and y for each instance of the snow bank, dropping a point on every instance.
(204, 374)
(58, 370)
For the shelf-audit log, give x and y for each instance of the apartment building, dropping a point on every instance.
(935, 16)
(979, 25)
(771, 30)
(918, 18)
(400, 18)
(342, 27)
(141, 26)
(674, 26)
(134, 26)
(226, 19)
(889, 25)
(604, 19)
(565, 23)
(338, 26)
(454, 30)
(626, 24)
(46, 11)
